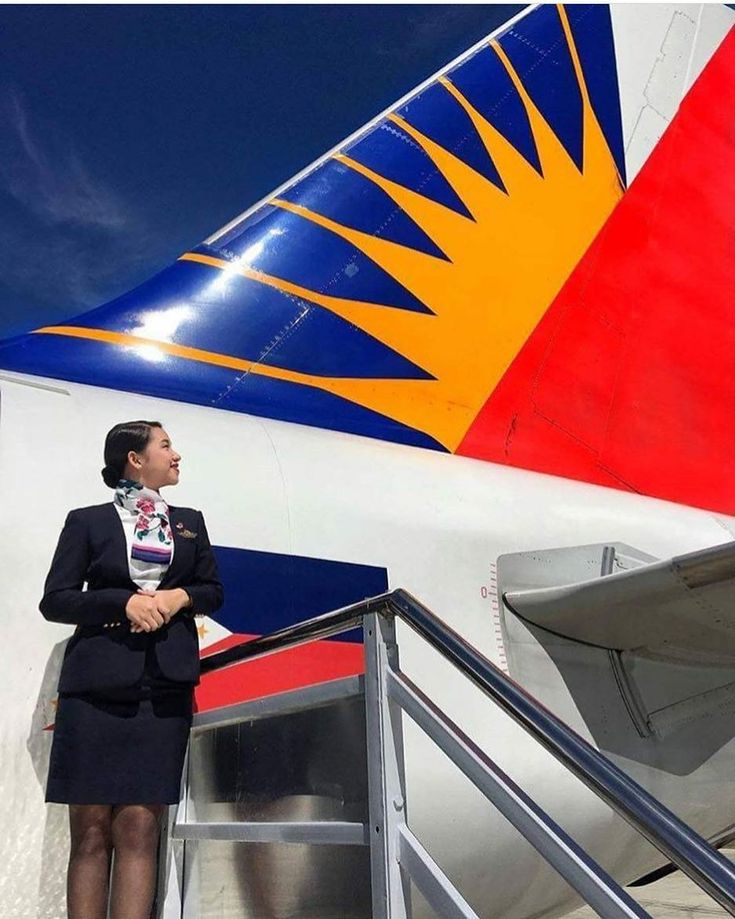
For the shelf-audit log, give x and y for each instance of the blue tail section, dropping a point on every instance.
(259, 319)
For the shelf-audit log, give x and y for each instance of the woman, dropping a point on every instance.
(126, 685)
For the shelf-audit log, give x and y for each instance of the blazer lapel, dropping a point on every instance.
(173, 568)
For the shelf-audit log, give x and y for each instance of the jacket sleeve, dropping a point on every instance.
(63, 597)
(205, 588)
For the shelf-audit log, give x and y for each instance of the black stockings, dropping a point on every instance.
(89, 860)
(131, 830)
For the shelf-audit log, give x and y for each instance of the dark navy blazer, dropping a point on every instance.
(92, 548)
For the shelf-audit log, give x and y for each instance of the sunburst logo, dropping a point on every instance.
(504, 265)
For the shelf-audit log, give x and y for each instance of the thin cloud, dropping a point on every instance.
(43, 171)
(65, 237)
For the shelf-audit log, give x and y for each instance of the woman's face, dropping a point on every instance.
(158, 464)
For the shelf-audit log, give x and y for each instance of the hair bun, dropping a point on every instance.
(120, 440)
(110, 476)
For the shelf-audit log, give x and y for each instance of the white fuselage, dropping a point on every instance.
(436, 522)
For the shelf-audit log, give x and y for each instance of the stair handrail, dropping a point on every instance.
(682, 845)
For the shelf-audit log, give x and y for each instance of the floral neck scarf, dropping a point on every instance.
(152, 537)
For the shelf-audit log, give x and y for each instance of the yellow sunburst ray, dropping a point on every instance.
(448, 227)
(509, 163)
(334, 304)
(392, 326)
(596, 149)
(554, 159)
(574, 54)
(473, 189)
(418, 272)
(417, 401)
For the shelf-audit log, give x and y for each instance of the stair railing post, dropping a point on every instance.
(386, 775)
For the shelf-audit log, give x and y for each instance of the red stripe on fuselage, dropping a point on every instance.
(304, 666)
(629, 379)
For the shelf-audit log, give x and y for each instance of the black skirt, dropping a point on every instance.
(122, 747)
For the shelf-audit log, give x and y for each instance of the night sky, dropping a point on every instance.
(130, 133)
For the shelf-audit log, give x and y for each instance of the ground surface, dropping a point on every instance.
(673, 897)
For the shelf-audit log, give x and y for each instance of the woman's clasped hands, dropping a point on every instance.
(148, 610)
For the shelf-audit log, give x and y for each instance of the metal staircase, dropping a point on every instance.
(378, 701)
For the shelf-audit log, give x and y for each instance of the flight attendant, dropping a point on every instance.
(126, 685)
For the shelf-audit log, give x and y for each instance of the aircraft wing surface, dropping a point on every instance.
(680, 608)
